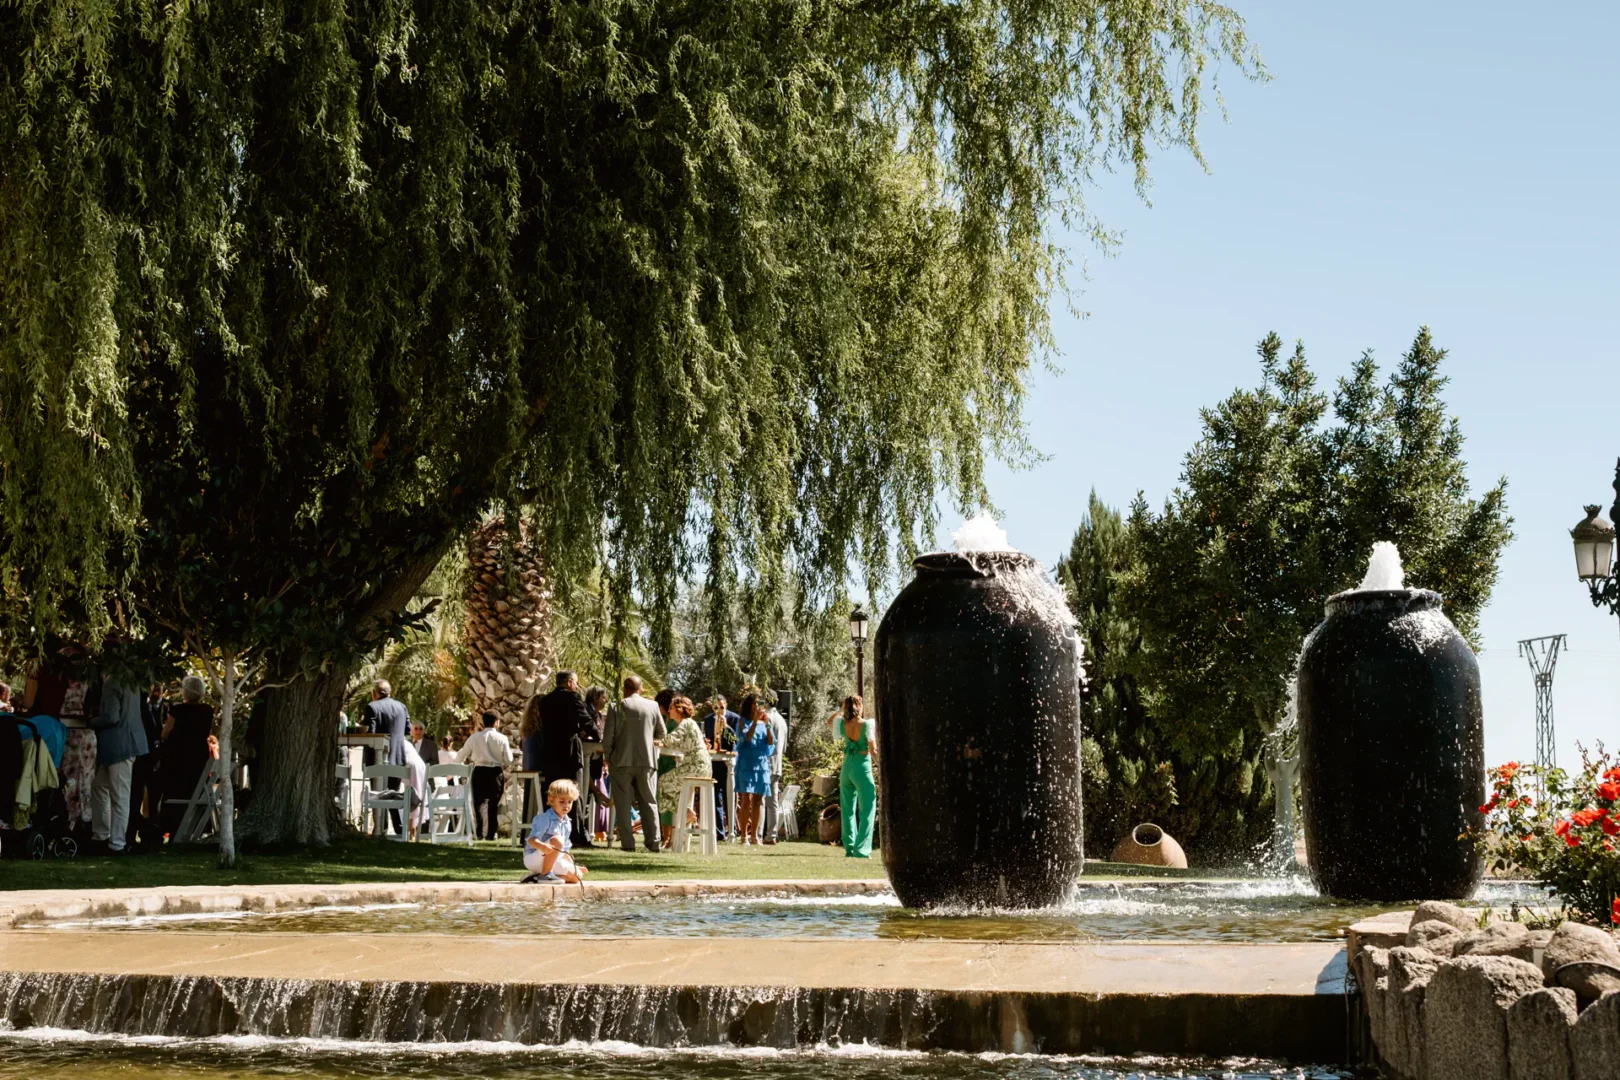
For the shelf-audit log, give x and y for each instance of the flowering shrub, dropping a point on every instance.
(1568, 837)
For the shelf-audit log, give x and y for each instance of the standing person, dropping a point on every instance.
(419, 788)
(427, 747)
(779, 733)
(628, 743)
(754, 745)
(184, 742)
(556, 721)
(145, 788)
(120, 739)
(857, 791)
(596, 701)
(386, 715)
(685, 737)
(720, 732)
(5, 698)
(489, 753)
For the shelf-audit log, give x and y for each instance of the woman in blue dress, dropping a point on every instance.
(754, 743)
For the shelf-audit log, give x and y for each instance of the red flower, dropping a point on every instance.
(1614, 912)
(1610, 791)
(1612, 774)
(1561, 829)
(1486, 808)
(1572, 840)
(1513, 804)
(1583, 818)
(1610, 826)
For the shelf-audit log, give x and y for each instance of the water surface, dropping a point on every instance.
(1258, 910)
(46, 1055)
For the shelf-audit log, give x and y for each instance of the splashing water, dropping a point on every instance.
(980, 533)
(1384, 571)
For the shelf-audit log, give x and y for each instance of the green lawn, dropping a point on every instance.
(365, 860)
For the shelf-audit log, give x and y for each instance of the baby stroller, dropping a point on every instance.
(41, 827)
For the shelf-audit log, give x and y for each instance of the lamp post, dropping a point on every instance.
(1593, 537)
(858, 621)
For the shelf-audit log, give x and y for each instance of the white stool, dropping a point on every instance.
(703, 787)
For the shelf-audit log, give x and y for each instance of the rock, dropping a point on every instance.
(1497, 939)
(1465, 1016)
(1450, 914)
(1594, 1042)
(1409, 973)
(1372, 977)
(1590, 979)
(1438, 937)
(1538, 1030)
(1574, 941)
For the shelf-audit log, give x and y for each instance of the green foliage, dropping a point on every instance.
(1559, 829)
(294, 293)
(1195, 616)
(1125, 782)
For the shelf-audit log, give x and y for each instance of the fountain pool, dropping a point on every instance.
(71, 1056)
(1277, 910)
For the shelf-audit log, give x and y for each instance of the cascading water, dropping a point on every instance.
(978, 721)
(1391, 743)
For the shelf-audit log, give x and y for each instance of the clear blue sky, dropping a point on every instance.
(1449, 164)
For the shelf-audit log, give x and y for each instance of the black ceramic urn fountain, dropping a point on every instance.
(978, 725)
(1392, 751)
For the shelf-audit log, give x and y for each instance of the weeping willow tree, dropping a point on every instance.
(290, 294)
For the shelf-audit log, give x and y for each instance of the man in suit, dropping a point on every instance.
(563, 718)
(633, 725)
(384, 715)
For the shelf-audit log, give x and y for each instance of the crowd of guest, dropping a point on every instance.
(126, 759)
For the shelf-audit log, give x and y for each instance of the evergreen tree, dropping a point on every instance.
(294, 293)
(1276, 513)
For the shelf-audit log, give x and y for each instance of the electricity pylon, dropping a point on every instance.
(1542, 653)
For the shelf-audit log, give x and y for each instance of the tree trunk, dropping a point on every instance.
(227, 811)
(293, 776)
(294, 783)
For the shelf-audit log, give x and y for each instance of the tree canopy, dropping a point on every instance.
(293, 292)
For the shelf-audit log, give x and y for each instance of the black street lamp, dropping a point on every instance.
(858, 620)
(1594, 552)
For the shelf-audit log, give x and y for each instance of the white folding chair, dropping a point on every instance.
(202, 809)
(380, 798)
(517, 784)
(704, 827)
(787, 812)
(450, 804)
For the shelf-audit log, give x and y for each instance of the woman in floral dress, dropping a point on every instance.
(684, 737)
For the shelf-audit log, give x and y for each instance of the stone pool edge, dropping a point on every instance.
(53, 905)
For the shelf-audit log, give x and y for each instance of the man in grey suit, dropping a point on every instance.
(386, 715)
(627, 747)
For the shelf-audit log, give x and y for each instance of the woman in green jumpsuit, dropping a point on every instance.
(857, 793)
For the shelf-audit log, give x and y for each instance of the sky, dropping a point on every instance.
(1445, 164)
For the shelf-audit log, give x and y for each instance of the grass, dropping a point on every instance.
(365, 860)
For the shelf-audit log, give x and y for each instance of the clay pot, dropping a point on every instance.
(1149, 845)
(829, 825)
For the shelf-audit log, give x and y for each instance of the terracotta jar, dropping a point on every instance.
(1149, 845)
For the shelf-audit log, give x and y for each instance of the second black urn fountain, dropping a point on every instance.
(1392, 750)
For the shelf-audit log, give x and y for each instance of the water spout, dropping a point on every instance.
(1384, 570)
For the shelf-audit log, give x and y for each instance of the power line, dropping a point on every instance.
(1542, 654)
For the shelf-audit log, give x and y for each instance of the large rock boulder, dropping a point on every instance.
(1409, 973)
(1576, 943)
(1497, 939)
(1438, 937)
(1465, 1016)
(1450, 914)
(1372, 977)
(1538, 1029)
(1594, 1042)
